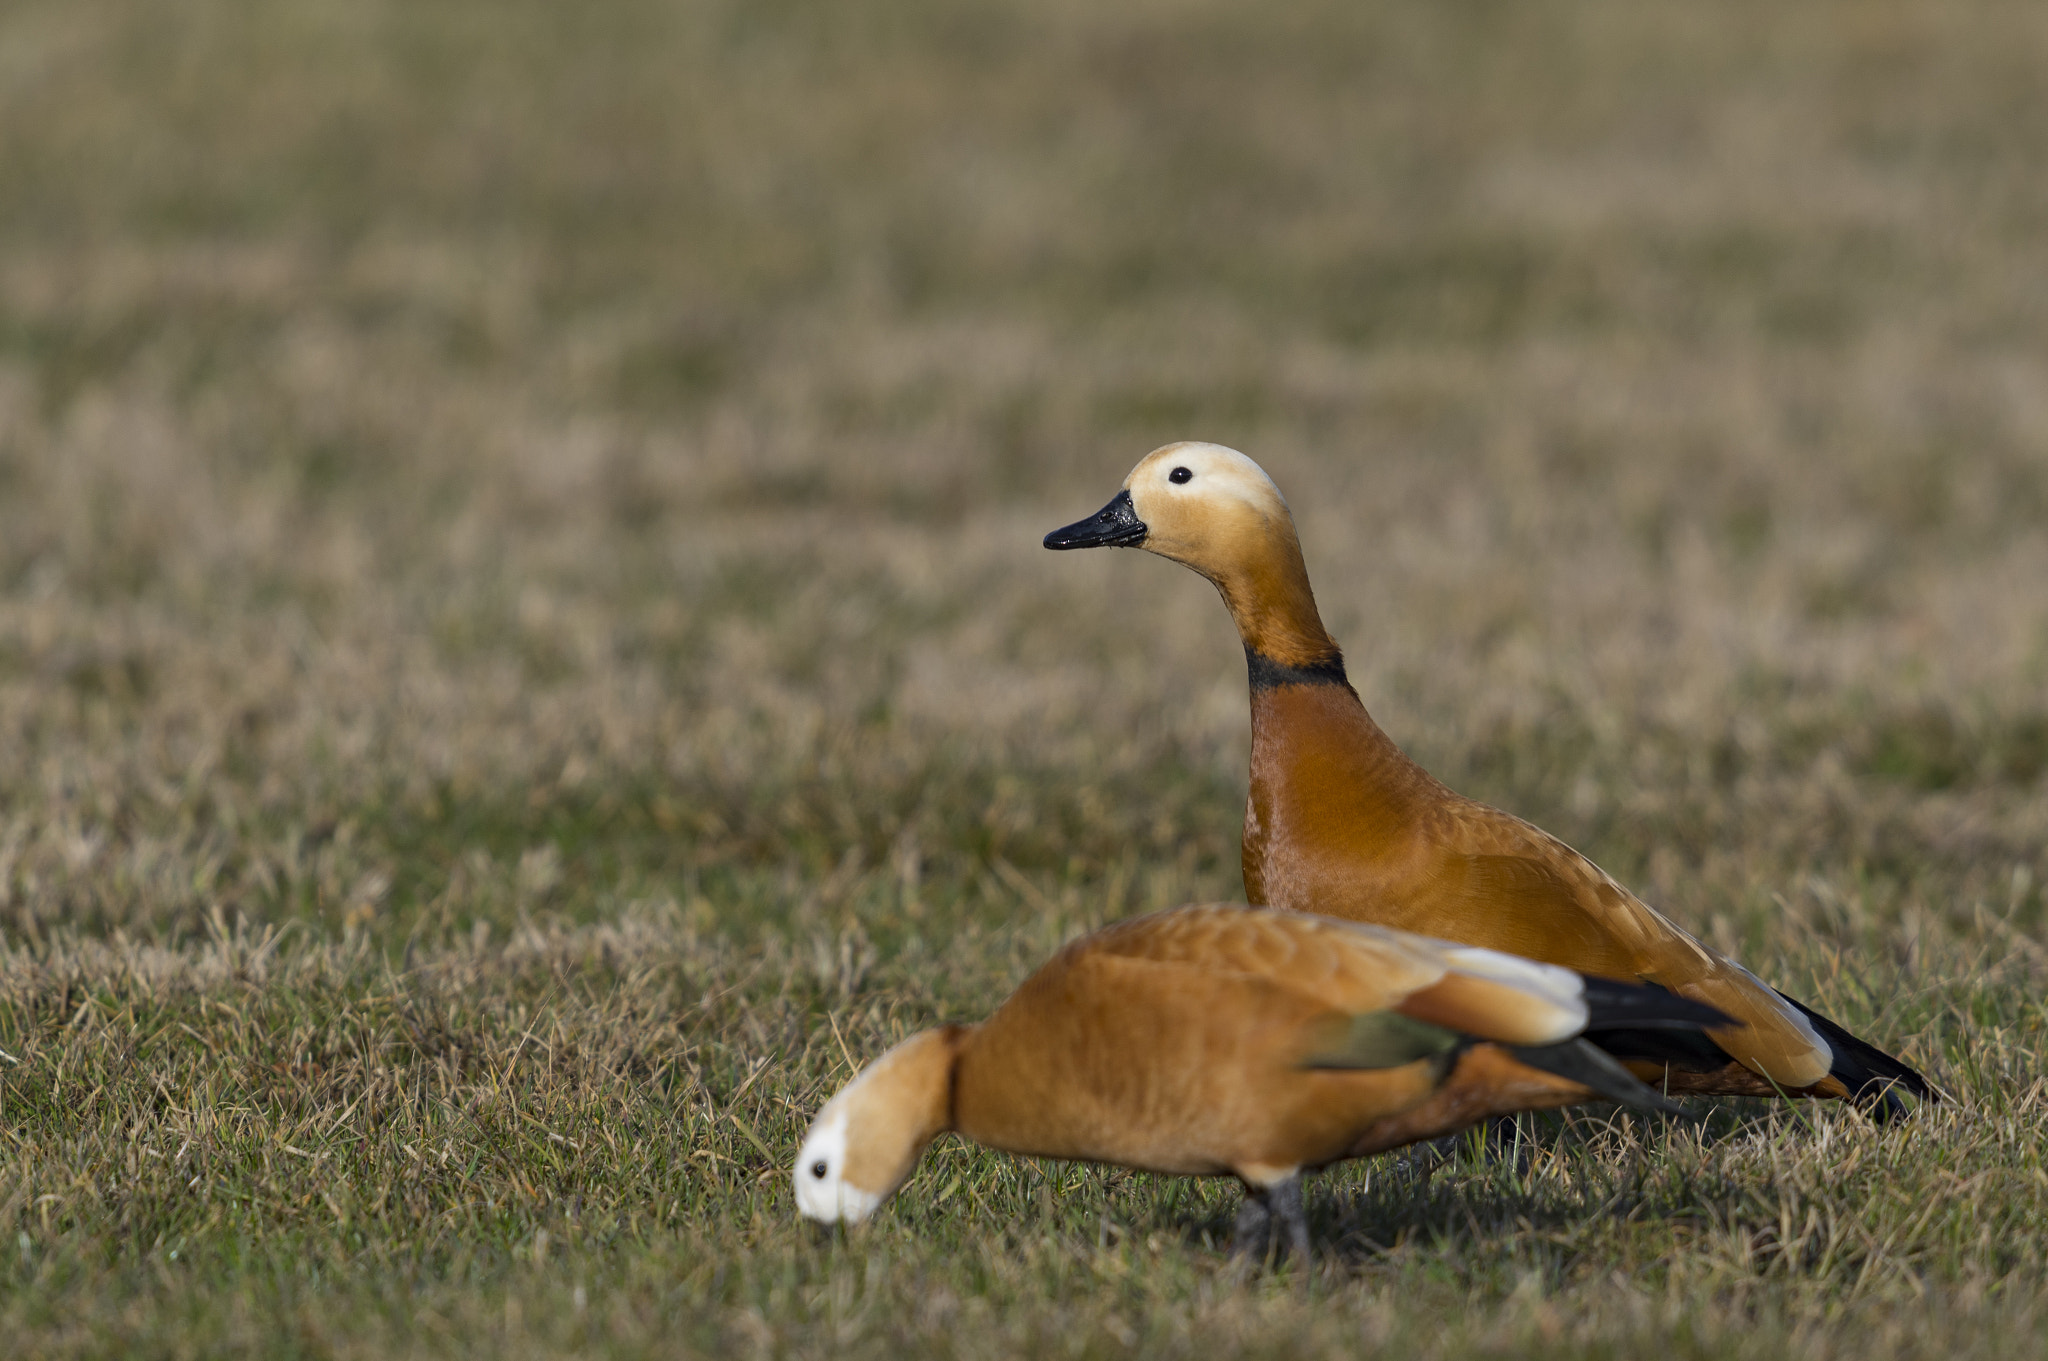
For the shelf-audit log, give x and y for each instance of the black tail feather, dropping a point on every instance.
(1650, 1022)
(1868, 1072)
(1588, 1066)
(1614, 1005)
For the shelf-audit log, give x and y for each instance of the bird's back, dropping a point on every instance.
(1341, 822)
(1171, 1065)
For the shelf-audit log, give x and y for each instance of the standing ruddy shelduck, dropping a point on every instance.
(1229, 1040)
(1340, 821)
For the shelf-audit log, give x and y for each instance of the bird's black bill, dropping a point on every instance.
(1116, 525)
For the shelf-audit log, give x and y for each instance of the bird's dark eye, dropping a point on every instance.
(1179, 475)
(818, 1170)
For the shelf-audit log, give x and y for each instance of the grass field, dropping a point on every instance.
(524, 651)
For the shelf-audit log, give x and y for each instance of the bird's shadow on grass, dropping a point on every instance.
(1532, 1174)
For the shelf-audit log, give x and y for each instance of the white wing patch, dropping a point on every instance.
(1553, 981)
(1561, 988)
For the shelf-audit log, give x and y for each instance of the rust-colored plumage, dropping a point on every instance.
(1340, 821)
(1230, 1040)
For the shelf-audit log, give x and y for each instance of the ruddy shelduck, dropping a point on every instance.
(1340, 821)
(1232, 1040)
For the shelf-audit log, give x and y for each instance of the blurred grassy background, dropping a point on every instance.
(482, 483)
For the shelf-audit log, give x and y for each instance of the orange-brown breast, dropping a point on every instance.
(1335, 809)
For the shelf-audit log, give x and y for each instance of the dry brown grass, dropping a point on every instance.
(520, 609)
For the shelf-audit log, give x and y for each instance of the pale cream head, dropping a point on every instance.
(1215, 511)
(865, 1142)
(1203, 504)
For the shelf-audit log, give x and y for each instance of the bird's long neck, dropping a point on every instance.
(1267, 593)
(1325, 780)
(903, 1101)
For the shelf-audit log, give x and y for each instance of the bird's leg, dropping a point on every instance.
(1509, 1139)
(1284, 1202)
(1253, 1231)
(1424, 1161)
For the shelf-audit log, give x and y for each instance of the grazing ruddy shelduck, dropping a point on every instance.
(1341, 822)
(1231, 1040)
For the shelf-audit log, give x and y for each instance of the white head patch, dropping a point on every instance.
(822, 1192)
